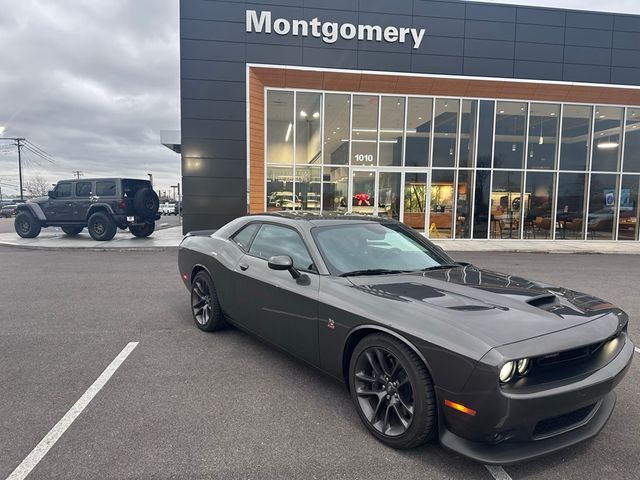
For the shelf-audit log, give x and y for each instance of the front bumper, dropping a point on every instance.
(579, 409)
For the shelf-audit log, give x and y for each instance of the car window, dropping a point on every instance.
(106, 188)
(83, 189)
(63, 190)
(275, 240)
(243, 237)
(372, 246)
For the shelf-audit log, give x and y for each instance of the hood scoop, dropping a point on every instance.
(544, 302)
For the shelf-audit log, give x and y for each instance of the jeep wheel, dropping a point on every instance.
(26, 225)
(143, 230)
(146, 203)
(101, 227)
(71, 230)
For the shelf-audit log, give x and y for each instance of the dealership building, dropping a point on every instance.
(464, 120)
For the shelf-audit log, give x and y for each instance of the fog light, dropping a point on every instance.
(523, 366)
(507, 371)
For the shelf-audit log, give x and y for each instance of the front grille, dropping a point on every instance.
(556, 425)
(569, 355)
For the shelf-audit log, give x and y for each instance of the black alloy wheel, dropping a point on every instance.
(393, 392)
(205, 307)
(143, 230)
(101, 227)
(26, 225)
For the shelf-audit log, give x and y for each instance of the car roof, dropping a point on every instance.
(313, 218)
(116, 179)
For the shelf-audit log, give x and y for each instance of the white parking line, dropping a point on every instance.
(498, 472)
(56, 432)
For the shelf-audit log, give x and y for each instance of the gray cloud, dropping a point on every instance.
(92, 83)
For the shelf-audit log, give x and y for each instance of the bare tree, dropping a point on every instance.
(37, 186)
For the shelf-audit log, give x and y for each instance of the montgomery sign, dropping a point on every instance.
(330, 32)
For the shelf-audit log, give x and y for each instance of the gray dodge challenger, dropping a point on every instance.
(499, 368)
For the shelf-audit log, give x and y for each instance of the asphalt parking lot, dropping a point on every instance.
(185, 404)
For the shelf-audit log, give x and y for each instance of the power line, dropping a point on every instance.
(78, 173)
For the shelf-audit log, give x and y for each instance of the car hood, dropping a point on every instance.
(495, 308)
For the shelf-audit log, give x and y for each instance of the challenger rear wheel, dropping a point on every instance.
(205, 307)
(393, 392)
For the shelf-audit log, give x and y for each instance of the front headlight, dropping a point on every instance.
(523, 366)
(507, 371)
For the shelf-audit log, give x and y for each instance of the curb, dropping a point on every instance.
(89, 249)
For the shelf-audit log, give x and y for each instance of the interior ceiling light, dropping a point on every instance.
(541, 141)
(420, 118)
(288, 135)
(609, 145)
(514, 147)
(303, 114)
(501, 111)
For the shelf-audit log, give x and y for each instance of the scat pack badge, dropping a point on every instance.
(331, 324)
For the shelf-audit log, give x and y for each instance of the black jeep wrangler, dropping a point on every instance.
(102, 205)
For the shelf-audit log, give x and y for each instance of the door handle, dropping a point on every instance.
(243, 266)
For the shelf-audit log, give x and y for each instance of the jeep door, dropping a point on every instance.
(84, 194)
(274, 305)
(60, 208)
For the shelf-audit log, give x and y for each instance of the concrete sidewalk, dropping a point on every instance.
(55, 239)
(540, 246)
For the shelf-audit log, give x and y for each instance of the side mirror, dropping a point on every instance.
(51, 194)
(283, 262)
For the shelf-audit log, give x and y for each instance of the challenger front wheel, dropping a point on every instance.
(393, 392)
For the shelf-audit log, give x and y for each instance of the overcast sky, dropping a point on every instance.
(93, 82)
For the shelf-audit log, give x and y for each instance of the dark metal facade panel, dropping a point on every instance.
(463, 38)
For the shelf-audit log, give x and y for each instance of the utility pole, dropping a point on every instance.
(78, 173)
(19, 145)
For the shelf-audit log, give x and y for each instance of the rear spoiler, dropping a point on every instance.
(201, 233)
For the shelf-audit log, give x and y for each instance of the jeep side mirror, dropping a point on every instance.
(283, 262)
(51, 193)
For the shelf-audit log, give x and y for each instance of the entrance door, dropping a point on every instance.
(363, 192)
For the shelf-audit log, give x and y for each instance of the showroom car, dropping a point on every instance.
(499, 368)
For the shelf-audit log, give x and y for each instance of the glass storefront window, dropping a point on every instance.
(543, 136)
(570, 211)
(335, 189)
(485, 134)
(441, 214)
(307, 188)
(419, 113)
(415, 199)
(308, 141)
(481, 204)
(280, 189)
(389, 194)
(445, 132)
(391, 131)
(511, 119)
(632, 141)
(576, 137)
(279, 127)
(468, 132)
(463, 204)
(538, 205)
(506, 204)
(628, 221)
(364, 137)
(337, 109)
(363, 200)
(606, 139)
(603, 200)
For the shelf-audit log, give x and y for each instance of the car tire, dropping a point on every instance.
(143, 230)
(393, 392)
(146, 203)
(101, 227)
(26, 225)
(71, 230)
(205, 307)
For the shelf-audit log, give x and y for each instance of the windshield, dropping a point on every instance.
(376, 248)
